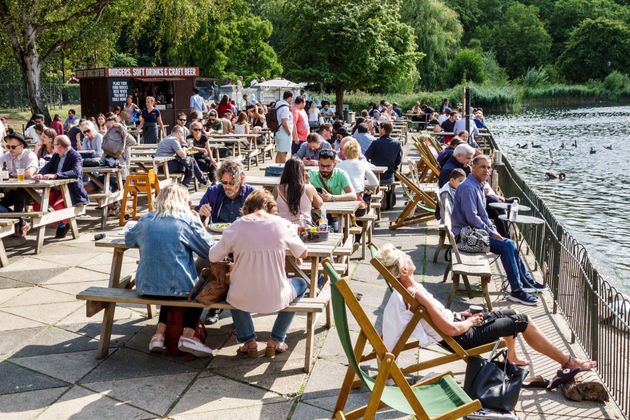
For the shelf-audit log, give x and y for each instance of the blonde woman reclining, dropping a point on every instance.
(467, 329)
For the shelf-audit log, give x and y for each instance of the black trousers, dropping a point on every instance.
(498, 324)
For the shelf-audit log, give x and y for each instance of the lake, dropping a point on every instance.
(593, 202)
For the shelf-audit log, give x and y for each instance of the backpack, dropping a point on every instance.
(174, 329)
(272, 119)
(114, 141)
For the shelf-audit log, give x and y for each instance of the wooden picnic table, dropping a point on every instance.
(106, 196)
(268, 182)
(343, 209)
(316, 251)
(39, 190)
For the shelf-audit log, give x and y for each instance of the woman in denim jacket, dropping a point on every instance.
(167, 239)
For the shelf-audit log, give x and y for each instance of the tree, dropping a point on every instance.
(596, 48)
(568, 14)
(232, 41)
(39, 30)
(438, 35)
(519, 40)
(468, 65)
(347, 44)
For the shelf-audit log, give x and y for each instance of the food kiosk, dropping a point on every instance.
(104, 88)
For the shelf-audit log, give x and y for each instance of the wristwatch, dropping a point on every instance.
(333, 198)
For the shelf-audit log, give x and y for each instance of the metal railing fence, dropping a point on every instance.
(597, 313)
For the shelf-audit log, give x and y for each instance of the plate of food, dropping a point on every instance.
(218, 227)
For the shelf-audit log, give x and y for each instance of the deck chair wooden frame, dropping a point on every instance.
(428, 169)
(420, 207)
(438, 397)
(419, 313)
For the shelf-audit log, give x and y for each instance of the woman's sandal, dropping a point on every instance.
(562, 377)
(271, 351)
(250, 349)
(537, 381)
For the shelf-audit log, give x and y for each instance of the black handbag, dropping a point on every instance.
(496, 384)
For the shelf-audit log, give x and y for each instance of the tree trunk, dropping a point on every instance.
(31, 71)
(339, 90)
(31, 68)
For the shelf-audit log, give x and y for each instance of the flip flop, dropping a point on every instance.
(537, 381)
(562, 377)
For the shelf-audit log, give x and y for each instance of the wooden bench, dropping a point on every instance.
(464, 265)
(7, 227)
(106, 197)
(106, 298)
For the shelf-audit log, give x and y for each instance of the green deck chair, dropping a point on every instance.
(456, 352)
(439, 397)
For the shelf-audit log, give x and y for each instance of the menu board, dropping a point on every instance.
(119, 89)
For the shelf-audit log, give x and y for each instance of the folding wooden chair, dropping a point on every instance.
(419, 313)
(421, 205)
(438, 397)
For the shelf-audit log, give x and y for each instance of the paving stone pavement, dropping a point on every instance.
(47, 346)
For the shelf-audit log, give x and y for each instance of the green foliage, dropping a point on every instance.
(616, 84)
(596, 48)
(347, 44)
(231, 41)
(438, 34)
(124, 60)
(535, 76)
(494, 73)
(568, 14)
(519, 40)
(468, 65)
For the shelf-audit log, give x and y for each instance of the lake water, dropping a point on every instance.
(593, 202)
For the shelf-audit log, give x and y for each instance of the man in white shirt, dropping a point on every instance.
(460, 125)
(197, 103)
(31, 133)
(284, 135)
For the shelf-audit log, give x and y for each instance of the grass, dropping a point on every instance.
(18, 117)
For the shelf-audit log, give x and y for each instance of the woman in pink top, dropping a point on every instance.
(295, 196)
(258, 281)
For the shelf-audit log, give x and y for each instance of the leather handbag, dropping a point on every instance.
(473, 240)
(496, 384)
(213, 284)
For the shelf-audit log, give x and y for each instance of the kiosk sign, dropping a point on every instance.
(152, 72)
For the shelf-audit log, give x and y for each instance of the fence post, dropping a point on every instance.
(555, 275)
(594, 315)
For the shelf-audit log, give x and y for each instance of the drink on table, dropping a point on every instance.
(20, 174)
(323, 221)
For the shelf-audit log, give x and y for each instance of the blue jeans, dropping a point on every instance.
(244, 325)
(515, 269)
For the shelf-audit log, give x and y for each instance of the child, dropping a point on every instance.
(447, 192)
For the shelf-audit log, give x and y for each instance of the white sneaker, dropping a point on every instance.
(194, 347)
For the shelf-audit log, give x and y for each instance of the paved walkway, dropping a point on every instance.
(47, 347)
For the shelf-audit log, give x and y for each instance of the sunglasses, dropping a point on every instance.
(13, 146)
(181, 119)
(195, 129)
(228, 182)
(87, 131)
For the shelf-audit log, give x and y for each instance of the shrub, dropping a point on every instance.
(535, 76)
(468, 65)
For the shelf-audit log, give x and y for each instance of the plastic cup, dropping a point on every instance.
(20, 174)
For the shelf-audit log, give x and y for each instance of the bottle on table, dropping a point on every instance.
(4, 175)
(322, 224)
(514, 211)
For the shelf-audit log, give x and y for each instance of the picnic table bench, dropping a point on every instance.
(119, 291)
(106, 197)
(39, 190)
(7, 227)
(159, 165)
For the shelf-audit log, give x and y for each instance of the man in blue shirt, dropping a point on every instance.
(385, 151)
(469, 209)
(363, 137)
